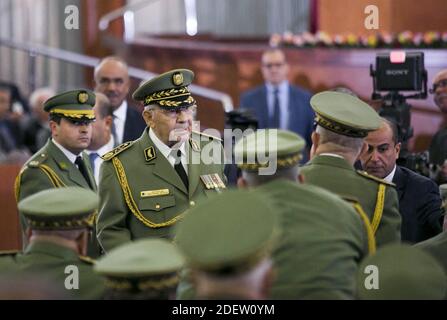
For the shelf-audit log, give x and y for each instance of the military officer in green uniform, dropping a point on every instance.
(342, 123)
(401, 272)
(62, 162)
(437, 247)
(322, 239)
(59, 221)
(145, 269)
(227, 243)
(146, 185)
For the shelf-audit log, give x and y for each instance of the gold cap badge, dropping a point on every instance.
(82, 97)
(177, 78)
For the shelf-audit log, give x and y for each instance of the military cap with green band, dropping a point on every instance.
(142, 264)
(76, 105)
(60, 209)
(257, 146)
(168, 90)
(344, 114)
(227, 234)
(404, 272)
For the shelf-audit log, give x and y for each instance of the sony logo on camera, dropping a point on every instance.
(401, 72)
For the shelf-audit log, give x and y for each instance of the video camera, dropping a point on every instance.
(396, 72)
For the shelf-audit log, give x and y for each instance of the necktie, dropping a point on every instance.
(179, 168)
(276, 110)
(93, 157)
(114, 134)
(83, 169)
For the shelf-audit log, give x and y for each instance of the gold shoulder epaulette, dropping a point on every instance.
(207, 135)
(369, 176)
(35, 163)
(112, 153)
(87, 259)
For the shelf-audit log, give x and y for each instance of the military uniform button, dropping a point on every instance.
(157, 206)
(192, 203)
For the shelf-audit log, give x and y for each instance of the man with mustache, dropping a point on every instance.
(438, 146)
(419, 199)
(62, 162)
(146, 185)
(112, 79)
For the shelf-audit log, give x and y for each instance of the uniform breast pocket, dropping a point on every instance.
(156, 203)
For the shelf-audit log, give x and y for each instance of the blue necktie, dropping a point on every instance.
(276, 110)
(93, 157)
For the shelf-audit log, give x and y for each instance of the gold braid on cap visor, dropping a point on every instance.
(340, 129)
(169, 98)
(77, 114)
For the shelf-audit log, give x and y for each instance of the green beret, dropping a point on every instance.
(228, 233)
(146, 264)
(74, 104)
(252, 151)
(168, 90)
(344, 114)
(404, 273)
(61, 208)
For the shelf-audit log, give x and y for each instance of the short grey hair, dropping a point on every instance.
(339, 142)
(108, 59)
(38, 93)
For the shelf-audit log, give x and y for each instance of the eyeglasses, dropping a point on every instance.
(271, 65)
(440, 84)
(175, 113)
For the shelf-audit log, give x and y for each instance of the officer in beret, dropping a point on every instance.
(62, 161)
(343, 121)
(229, 252)
(146, 185)
(146, 269)
(401, 272)
(323, 239)
(59, 221)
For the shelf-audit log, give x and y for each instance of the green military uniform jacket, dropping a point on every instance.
(141, 195)
(48, 261)
(320, 244)
(377, 197)
(437, 247)
(50, 168)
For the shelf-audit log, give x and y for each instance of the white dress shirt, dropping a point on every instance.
(389, 178)
(101, 151)
(71, 156)
(331, 155)
(168, 152)
(283, 96)
(119, 119)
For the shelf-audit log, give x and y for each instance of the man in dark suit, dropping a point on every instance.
(112, 79)
(36, 126)
(277, 103)
(419, 199)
